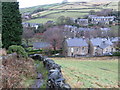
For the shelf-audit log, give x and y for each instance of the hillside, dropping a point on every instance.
(17, 72)
(70, 9)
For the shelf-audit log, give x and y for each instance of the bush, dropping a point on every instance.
(116, 54)
(19, 50)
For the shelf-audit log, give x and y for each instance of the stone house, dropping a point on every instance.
(82, 22)
(101, 46)
(75, 46)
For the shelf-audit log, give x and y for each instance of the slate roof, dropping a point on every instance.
(85, 29)
(76, 42)
(99, 42)
(105, 29)
(104, 45)
(38, 45)
(115, 39)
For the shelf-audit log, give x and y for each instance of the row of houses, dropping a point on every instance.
(73, 31)
(27, 24)
(94, 46)
(74, 28)
(83, 47)
(94, 19)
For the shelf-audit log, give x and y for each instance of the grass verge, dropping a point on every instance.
(41, 69)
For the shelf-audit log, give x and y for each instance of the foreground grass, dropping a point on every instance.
(41, 69)
(89, 73)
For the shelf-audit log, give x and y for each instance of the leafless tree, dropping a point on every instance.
(54, 36)
(28, 32)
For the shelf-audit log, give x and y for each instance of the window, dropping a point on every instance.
(112, 50)
(77, 49)
(72, 50)
(83, 48)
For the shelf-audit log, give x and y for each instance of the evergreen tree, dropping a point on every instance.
(11, 24)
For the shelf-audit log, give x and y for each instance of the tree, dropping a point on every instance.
(54, 36)
(60, 20)
(64, 20)
(41, 29)
(104, 12)
(28, 33)
(11, 24)
(92, 12)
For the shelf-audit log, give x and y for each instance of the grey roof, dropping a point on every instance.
(31, 23)
(76, 42)
(38, 45)
(82, 19)
(115, 39)
(85, 29)
(104, 45)
(104, 17)
(105, 29)
(99, 41)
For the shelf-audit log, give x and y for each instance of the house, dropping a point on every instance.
(82, 22)
(101, 46)
(70, 28)
(26, 24)
(105, 29)
(85, 29)
(101, 19)
(41, 45)
(75, 46)
(26, 16)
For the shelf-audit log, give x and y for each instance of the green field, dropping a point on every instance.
(54, 16)
(89, 73)
(41, 20)
(67, 14)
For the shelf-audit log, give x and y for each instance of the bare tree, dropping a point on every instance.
(54, 36)
(28, 32)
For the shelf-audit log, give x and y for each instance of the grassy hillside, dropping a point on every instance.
(88, 73)
(72, 9)
(31, 9)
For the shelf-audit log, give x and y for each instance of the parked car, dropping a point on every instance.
(108, 54)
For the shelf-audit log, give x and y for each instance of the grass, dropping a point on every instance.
(31, 9)
(40, 20)
(41, 69)
(67, 14)
(89, 73)
(27, 81)
(54, 16)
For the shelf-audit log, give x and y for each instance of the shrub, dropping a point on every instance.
(19, 50)
(116, 54)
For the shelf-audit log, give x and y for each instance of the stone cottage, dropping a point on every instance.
(101, 46)
(75, 46)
